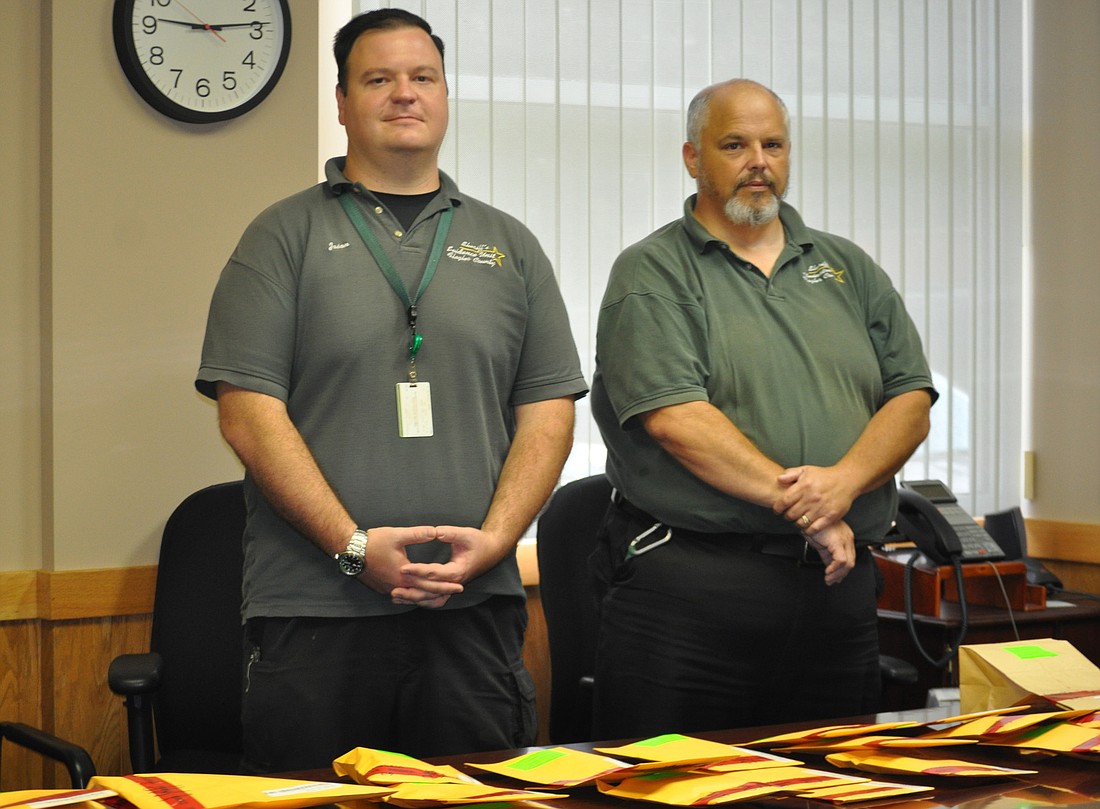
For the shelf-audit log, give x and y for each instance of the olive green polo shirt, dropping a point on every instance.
(799, 361)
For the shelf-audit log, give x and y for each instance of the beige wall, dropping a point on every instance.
(1066, 277)
(117, 220)
(20, 380)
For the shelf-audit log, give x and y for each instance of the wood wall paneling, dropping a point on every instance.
(20, 699)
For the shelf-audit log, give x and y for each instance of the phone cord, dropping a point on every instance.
(964, 617)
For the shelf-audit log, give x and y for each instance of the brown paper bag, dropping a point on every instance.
(1031, 672)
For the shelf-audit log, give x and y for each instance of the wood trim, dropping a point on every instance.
(73, 594)
(112, 592)
(19, 595)
(1065, 541)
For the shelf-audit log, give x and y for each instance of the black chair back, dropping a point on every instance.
(197, 623)
(187, 690)
(566, 536)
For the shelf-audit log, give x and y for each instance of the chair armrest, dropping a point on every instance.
(896, 670)
(135, 673)
(74, 757)
(137, 677)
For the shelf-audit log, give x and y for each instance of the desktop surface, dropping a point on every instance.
(1060, 780)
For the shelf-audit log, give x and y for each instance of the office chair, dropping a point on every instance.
(1009, 530)
(566, 535)
(75, 758)
(184, 695)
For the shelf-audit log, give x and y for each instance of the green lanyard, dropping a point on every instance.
(384, 264)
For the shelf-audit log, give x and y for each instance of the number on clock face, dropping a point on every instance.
(202, 60)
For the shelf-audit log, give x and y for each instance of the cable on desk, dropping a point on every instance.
(1008, 601)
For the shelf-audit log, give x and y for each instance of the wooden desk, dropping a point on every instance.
(1063, 780)
(1079, 624)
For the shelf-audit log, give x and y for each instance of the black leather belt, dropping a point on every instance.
(788, 546)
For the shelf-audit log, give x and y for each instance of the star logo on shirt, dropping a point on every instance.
(822, 272)
(476, 254)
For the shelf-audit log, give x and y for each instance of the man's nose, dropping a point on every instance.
(404, 89)
(756, 156)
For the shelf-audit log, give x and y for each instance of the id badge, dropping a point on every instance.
(414, 409)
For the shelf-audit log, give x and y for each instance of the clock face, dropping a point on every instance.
(202, 61)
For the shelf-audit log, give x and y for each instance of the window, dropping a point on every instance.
(908, 127)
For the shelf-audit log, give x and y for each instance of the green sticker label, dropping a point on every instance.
(656, 741)
(1030, 652)
(536, 760)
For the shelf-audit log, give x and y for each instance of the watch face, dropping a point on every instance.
(202, 61)
(350, 564)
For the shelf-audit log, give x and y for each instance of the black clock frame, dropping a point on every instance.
(121, 25)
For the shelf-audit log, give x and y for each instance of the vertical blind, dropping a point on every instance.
(908, 138)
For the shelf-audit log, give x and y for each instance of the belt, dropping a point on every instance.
(788, 546)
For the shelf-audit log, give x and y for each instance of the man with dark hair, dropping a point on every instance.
(393, 364)
(383, 19)
(758, 384)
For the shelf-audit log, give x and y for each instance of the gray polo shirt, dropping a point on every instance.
(303, 313)
(800, 361)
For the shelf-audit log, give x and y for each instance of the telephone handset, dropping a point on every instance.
(930, 516)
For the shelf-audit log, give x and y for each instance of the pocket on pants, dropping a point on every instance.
(527, 721)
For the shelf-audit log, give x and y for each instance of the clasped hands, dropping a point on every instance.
(816, 499)
(427, 584)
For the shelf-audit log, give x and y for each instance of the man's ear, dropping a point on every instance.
(691, 158)
(340, 99)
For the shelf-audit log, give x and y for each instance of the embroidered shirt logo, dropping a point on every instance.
(476, 253)
(822, 272)
(334, 246)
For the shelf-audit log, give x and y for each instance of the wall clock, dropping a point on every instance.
(202, 61)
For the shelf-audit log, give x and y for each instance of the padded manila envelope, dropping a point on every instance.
(365, 765)
(558, 767)
(700, 789)
(204, 791)
(1039, 672)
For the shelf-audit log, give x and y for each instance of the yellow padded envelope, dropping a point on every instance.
(888, 763)
(700, 789)
(204, 791)
(559, 767)
(365, 765)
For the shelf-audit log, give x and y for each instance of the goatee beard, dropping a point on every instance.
(752, 214)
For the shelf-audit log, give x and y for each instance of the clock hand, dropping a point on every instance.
(201, 26)
(221, 26)
(196, 25)
(205, 26)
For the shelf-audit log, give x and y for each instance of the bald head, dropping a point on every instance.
(699, 108)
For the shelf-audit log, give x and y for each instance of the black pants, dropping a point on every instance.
(700, 634)
(424, 683)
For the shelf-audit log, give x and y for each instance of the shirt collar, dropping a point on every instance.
(338, 183)
(795, 228)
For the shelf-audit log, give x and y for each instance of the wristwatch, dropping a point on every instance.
(352, 560)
